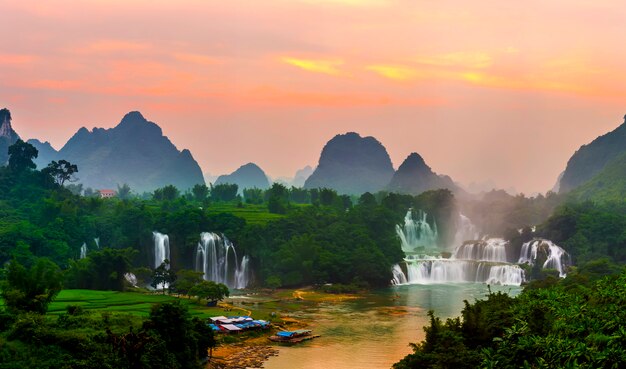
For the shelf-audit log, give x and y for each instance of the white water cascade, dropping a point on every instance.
(97, 241)
(465, 231)
(555, 256)
(83, 251)
(217, 258)
(417, 233)
(474, 262)
(131, 278)
(161, 248)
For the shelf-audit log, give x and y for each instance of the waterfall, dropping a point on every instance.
(465, 231)
(131, 278)
(423, 269)
(83, 251)
(217, 258)
(161, 248)
(417, 233)
(97, 241)
(493, 249)
(398, 276)
(556, 257)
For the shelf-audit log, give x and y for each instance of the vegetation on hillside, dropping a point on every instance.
(575, 323)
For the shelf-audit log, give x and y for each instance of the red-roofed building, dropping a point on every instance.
(107, 194)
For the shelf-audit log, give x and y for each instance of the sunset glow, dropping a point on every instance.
(481, 91)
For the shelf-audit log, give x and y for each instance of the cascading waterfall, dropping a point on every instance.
(493, 249)
(556, 257)
(97, 241)
(424, 269)
(417, 233)
(161, 248)
(217, 258)
(465, 230)
(483, 261)
(83, 251)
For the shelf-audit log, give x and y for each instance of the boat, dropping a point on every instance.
(296, 336)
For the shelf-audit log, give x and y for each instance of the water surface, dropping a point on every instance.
(374, 332)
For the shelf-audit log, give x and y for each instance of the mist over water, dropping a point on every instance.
(473, 261)
(417, 233)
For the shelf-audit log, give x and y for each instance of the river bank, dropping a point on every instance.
(281, 308)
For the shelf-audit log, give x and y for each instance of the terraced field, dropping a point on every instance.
(124, 302)
(253, 214)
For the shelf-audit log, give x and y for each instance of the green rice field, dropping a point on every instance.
(253, 214)
(133, 303)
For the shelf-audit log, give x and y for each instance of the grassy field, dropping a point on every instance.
(253, 214)
(133, 303)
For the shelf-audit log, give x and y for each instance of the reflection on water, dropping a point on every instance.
(374, 332)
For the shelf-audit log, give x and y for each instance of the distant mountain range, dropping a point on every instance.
(7, 135)
(137, 153)
(351, 164)
(246, 176)
(591, 159)
(134, 152)
(414, 177)
(301, 176)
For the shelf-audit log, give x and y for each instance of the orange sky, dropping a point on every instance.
(496, 90)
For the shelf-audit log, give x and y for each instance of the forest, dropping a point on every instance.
(294, 237)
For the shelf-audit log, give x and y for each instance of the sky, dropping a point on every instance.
(501, 91)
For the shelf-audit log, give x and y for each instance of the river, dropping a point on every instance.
(375, 331)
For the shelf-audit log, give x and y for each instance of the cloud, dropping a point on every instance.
(112, 46)
(196, 58)
(475, 60)
(348, 2)
(17, 59)
(325, 66)
(395, 72)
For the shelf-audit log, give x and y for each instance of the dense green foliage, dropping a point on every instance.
(328, 241)
(577, 323)
(31, 289)
(592, 158)
(608, 186)
(169, 338)
(589, 231)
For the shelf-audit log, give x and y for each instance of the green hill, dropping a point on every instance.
(607, 186)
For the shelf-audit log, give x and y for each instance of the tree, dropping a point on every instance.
(186, 338)
(253, 195)
(186, 280)
(61, 171)
(31, 289)
(123, 191)
(21, 155)
(210, 291)
(163, 276)
(76, 189)
(278, 199)
(170, 192)
(273, 282)
(367, 199)
(224, 192)
(101, 269)
(167, 193)
(299, 195)
(200, 192)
